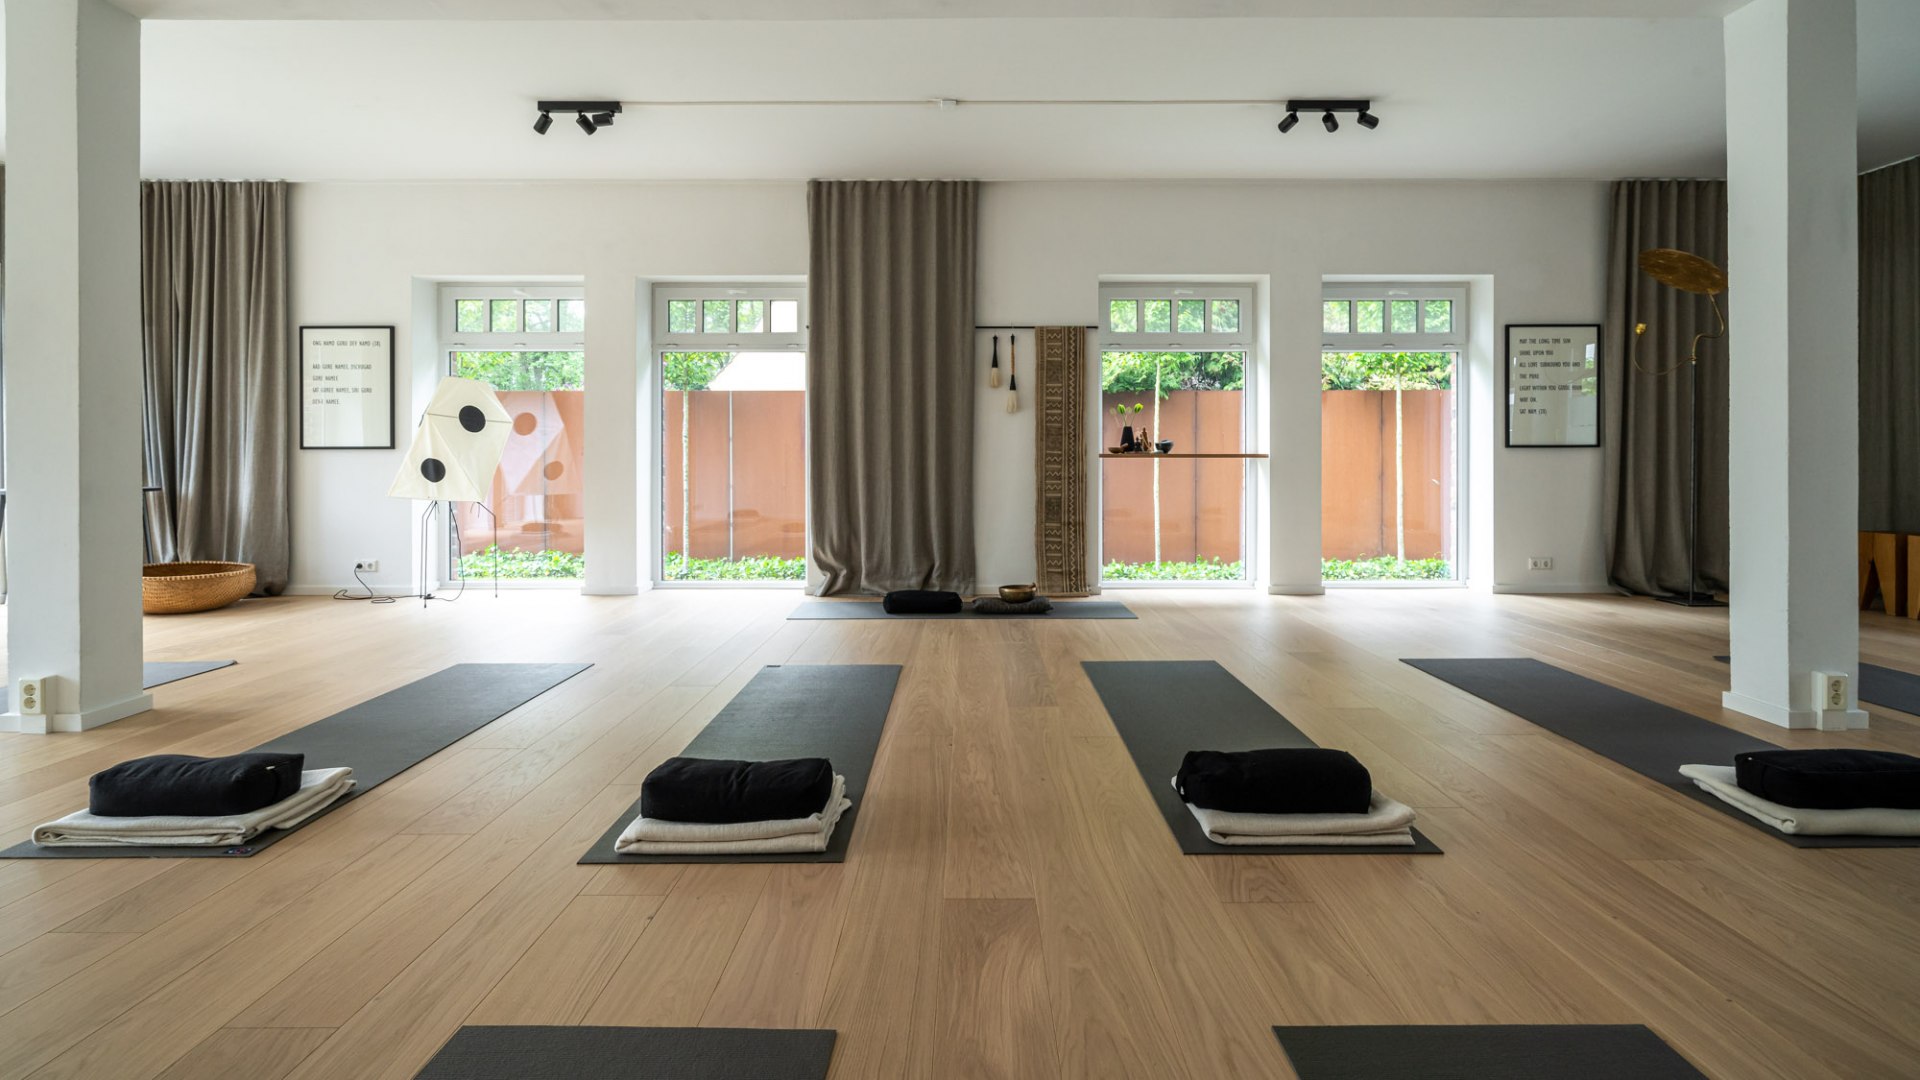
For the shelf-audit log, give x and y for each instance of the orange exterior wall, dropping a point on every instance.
(1356, 473)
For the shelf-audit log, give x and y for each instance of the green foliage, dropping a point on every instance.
(1386, 371)
(524, 370)
(1208, 570)
(1133, 372)
(754, 568)
(693, 370)
(515, 563)
(1385, 568)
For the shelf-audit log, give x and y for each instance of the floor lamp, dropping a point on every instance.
(453, 458)
(1689, 273)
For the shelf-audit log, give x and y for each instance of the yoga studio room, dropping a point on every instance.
(933, 540)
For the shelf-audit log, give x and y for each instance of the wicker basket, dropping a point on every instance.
(180, 587)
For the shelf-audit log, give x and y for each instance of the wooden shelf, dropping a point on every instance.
(1105, 454)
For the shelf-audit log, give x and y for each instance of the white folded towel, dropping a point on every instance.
(1718, 781)
(1385, 823)
(319, 789)
(652, 836)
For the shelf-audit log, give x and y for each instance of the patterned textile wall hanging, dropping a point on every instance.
(1060, 539)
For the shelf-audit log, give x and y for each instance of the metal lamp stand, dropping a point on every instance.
(1693, 597)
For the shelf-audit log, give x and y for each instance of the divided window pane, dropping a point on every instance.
(470, 316)
(1157, 316)
(1369, 316)
(1333, 316)
(506, 317)
(1123, 316)
(1192, 317)
(753, 316)
(1403, 317)
(1225, 317)
(683, 316)
(539, 316)
(1438, 318)
(716, 316)
(786, 316)
(573, 316)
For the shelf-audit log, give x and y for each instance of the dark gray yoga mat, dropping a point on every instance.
(152, 673)
(631, 1053)
(1886, 686)
(871, 609)
(1483, 1052)
(1645, 736)
(378, 738)
(834, 711)
(1164, 708)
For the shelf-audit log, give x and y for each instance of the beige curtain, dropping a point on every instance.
(1060, 444)
(1646, 414)
(1890, 348)
(890, 291)
(218, 372)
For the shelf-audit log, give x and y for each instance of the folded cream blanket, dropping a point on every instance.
(1385, 823)
(651, 836)
(1717, 780)
(319, 789)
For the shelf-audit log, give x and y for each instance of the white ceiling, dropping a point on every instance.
(1460, 97)
(793, 10)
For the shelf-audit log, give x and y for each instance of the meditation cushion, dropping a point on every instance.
(176, 785)
(725, 792)
(1307, 780)
(1831, 779)
(993, 605)
(921, 602)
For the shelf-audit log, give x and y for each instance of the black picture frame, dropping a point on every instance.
(302, 373)
(1599, 384)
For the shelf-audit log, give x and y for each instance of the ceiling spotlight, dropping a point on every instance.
(602, 119)
(1287, 124)
(1329, 122)
(541, 125)
(586, 123)
(1368, 120)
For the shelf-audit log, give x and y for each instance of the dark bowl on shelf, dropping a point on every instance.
(1165, 445)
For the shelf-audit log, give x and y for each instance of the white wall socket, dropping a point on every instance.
(368, 566)
(1829, 691)
(29, 693)
(1539, 562)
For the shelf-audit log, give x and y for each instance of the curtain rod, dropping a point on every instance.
(945, 103)
(1004, 326)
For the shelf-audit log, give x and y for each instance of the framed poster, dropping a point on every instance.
(1553, 384)
(346, 388)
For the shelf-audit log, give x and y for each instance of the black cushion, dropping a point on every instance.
(1831, 779)
(921, 602)
(722, 792)
(1307, 780)
(180, 786)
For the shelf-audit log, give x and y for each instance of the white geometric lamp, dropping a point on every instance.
(456, 449)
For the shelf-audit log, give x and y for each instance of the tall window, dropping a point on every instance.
(1389, 456)
(733, 481)
(529, 344)
(1174, 375)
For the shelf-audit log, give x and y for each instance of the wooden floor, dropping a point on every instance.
(1013, 905)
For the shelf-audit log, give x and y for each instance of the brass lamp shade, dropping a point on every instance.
(1683, 270)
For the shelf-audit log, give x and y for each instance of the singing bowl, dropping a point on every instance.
(1018, 594)
(1683, 270)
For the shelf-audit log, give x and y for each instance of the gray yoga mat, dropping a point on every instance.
(152, 673)
(834, 711)
(1886, 686)
(871, 609)
(1645, 736)
(1483, 1052)
(378, 738)
(1164, 708)
(631, 1053)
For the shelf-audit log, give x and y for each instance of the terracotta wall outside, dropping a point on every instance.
(1356, 472)
(537, 489)
(1200, 499)
(760, 479)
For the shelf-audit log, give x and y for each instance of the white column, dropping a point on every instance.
(73, 370)
(1793, 351)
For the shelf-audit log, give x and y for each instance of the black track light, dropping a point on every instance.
(585, 122)
(1368, 120)
(1327, 121)
(1329, 108)
(1287, 124)
(541, 125)
(602, 119)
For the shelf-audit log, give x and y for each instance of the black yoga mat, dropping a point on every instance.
(152, 673)
(378, 738)
(1164, 708)
(1483, 1052)
(1886, 686)
(834, 711)
(1645, 736)
(631, 1053)
(871, 609)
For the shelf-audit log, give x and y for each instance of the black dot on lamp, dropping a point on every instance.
(434, 470)
(472, 418)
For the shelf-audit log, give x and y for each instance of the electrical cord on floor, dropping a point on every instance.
(372, 597)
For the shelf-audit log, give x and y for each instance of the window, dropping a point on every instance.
(529, 344)
(1389, 429)
(733, 368)
(1173, 369)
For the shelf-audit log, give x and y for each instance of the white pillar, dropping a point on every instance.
(73, 370)
(1794, 351)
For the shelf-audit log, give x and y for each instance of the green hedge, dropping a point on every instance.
(1210, 570)
(515, 563)
(757, 568)
(1385, 568)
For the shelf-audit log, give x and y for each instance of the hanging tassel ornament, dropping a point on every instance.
(1013, 375)
(993, 370)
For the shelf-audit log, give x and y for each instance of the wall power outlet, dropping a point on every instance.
(1539, 562)
(31, 695)
(367, 566)
(1829, 691)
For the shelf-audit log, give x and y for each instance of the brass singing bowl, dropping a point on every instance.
(1683, 270)
(1018, 594)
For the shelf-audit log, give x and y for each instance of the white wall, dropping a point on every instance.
(1044, 247)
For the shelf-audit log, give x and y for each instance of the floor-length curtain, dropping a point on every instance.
(890, 293)
(1647, 402)
(214, 307)
(1060, 459)
(1890, 348)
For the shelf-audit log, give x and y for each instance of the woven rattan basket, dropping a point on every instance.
(180, 587)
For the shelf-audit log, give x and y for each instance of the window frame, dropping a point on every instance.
(452, 340)
(1239, 340)
(665, 340)
(1454, 340)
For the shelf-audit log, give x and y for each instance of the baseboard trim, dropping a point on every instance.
(1296, 590)
(1554, 589)
(53, 723)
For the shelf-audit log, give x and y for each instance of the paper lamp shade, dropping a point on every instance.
(457, 446)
